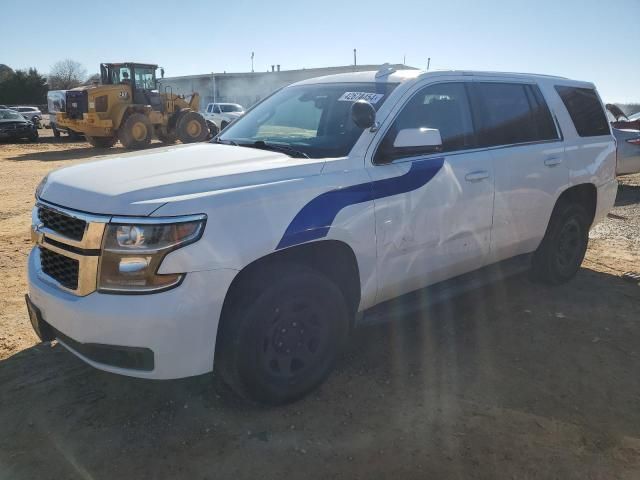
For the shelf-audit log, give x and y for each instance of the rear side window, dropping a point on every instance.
(585, 110)
(511, 113)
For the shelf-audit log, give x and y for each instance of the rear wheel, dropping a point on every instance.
(34, 136)
(136, 131)
(281, 333)
(101, 142)
(192, 128)
(559, 256)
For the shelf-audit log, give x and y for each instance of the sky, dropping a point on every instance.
(593, 40)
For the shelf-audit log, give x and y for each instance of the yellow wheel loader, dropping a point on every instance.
(127, 106)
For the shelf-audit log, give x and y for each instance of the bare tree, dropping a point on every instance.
(66, 74)
(91, 79)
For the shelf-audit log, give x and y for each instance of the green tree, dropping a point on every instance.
(23, 87)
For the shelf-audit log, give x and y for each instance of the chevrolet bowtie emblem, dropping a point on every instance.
(37, 236)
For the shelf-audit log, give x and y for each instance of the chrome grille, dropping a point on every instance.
(63, 270)
(68, 243)
(63, 224)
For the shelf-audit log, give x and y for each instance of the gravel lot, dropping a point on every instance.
(515, 381)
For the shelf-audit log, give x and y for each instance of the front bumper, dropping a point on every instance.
(178, 326)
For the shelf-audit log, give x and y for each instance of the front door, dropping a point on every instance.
(433, 208)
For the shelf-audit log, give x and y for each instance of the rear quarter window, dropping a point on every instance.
(585, 110)
(511, 113)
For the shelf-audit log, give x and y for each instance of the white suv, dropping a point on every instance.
(322, 208)
(219, 115)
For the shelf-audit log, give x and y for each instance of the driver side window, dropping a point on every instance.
(444, 106)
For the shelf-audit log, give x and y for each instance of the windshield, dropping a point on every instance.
(231, 108)
(312, 119)
(6, 115)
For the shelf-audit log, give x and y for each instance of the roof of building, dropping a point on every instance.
(316, 71)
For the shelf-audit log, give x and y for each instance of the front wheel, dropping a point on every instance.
(136, 131)
(281, 334)
(559, 256)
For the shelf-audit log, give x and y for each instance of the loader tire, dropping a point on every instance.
(192, 128)
(136, 131)
(101, 142)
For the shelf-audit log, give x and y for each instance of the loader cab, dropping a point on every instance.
(140, 77)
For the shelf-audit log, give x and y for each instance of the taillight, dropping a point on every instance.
(634, 141)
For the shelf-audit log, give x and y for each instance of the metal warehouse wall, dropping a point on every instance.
(249, 88)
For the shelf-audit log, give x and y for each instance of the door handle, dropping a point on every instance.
(553, 161)
(476, 176)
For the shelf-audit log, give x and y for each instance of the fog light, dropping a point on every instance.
(132, 265)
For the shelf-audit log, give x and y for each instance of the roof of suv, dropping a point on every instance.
(399, 76)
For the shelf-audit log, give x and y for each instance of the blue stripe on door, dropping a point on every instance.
(315, 218)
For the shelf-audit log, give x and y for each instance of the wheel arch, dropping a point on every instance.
(333, 258)
(585, 194)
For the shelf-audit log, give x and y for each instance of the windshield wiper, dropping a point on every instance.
(277, 147)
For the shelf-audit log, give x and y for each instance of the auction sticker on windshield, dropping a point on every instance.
(353, 96)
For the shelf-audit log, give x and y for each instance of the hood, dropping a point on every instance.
(616, 111)
(139, 183)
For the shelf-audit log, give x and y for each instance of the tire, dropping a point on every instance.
(223, 125)
(560, 254)
(34, 136)
(192, 128)
(56, 132)
(280, 335)
(136, 131)
(213, 129)
(101, 142)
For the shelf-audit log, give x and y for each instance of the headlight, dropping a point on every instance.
(132, 253)
(41, 185)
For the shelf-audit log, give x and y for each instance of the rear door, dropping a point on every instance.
(516, 125)
(433, 208)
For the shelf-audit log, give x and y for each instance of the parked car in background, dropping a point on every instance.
(30, 113)
(257, 254)
(14, 126)
(635, 117)
(626, 130)
(219, 115)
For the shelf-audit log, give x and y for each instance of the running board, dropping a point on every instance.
(432, 295)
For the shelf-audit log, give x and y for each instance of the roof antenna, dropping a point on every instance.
(428, 63)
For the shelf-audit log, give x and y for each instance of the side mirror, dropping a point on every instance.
(363, 114)
(417, 138)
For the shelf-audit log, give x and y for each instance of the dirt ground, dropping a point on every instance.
(516, 381)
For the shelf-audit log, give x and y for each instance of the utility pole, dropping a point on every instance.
(355, 62)
(428, 63)
(252, 55)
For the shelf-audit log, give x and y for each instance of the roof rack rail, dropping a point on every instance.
(385, 70)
